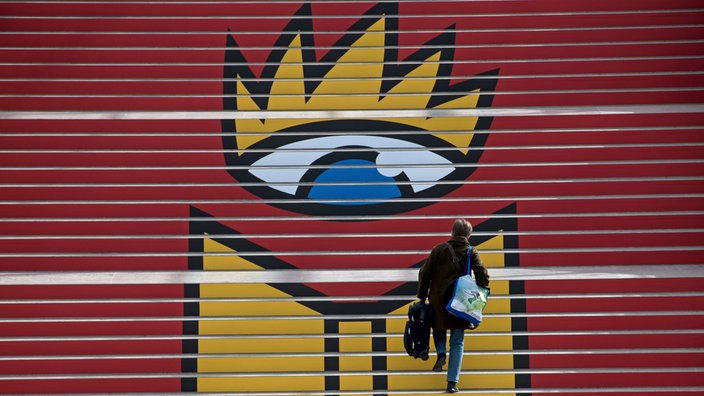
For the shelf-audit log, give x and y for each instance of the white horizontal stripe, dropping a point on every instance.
(335, 276)
(352, 114)
(362, 217)
(474, 353)
(348, 47)
(328, 253)
(307, 201)
(399, 147)
(137, 135)
(558, 29)
(115, 65)
(357, 16)
(472, 182)
(540, 333)
(282, 375)
(503, 76)
(347, 94)
(214, 2)
(581, 296)
(346, 317)
(406, 392)
(475, 165)
(349, 317)
(289, 235)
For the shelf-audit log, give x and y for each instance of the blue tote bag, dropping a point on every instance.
(468, 299)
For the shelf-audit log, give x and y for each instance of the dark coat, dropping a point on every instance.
(437, 277)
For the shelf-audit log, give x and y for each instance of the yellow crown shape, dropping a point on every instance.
(360, 72)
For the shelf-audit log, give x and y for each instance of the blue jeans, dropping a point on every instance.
(454, 363)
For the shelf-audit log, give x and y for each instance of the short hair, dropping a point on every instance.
(461, 227)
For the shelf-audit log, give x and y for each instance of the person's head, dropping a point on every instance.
(462, 227)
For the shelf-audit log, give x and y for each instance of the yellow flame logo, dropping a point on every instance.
(361, 71)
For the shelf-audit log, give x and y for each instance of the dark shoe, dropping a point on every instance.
(452, 387)
(439, 363)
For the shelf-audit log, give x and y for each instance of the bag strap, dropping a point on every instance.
(456, 260)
